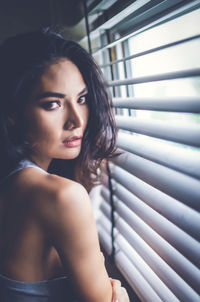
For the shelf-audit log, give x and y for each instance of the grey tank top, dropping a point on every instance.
(26, 163)
(54, 290)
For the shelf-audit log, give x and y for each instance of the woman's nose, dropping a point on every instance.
(74, 118)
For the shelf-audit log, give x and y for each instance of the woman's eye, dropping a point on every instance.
(82, 99)
(51, 105)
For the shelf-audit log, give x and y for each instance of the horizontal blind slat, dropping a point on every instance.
(181, 265)
(121, 15)
(188, 134)
(105, 239)
(184, 243)
(154, 49)
(160, 288)
(166, 18)
(185, 161)
(158, 77)
(136, 279)
(170, 104)
(132, 275)
(175, 184)
(173, 281)
(180, 214)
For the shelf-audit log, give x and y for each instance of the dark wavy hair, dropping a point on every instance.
(23, 59)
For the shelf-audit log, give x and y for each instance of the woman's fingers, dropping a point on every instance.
(125, 295)
(116, 286)
(119, 292)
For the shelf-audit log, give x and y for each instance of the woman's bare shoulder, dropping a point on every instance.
(52, 192)
(38, 185)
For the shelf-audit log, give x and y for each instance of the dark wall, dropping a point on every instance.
(18, 16)
(23, 16)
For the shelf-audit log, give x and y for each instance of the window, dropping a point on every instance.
(149, 53)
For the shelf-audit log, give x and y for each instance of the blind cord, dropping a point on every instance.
(87, 25)
(112, 214)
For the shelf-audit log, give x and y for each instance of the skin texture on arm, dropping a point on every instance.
(68, 221)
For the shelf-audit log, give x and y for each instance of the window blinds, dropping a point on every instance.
(149, 53)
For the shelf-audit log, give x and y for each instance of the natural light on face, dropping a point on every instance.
(58, 113)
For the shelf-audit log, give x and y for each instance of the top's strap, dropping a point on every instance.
(25, 163)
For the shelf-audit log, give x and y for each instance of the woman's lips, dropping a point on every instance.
(73, 141)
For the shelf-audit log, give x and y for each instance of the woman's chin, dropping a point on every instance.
(71, 155)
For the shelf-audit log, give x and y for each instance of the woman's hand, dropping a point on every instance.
(119, 292)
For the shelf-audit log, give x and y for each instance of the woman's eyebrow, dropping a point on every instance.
(82, 91)
(50, 94)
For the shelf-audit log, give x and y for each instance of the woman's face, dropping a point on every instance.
(57, 114)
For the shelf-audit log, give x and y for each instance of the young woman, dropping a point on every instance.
(56, 126)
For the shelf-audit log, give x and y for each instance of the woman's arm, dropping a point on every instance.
(67, 218)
